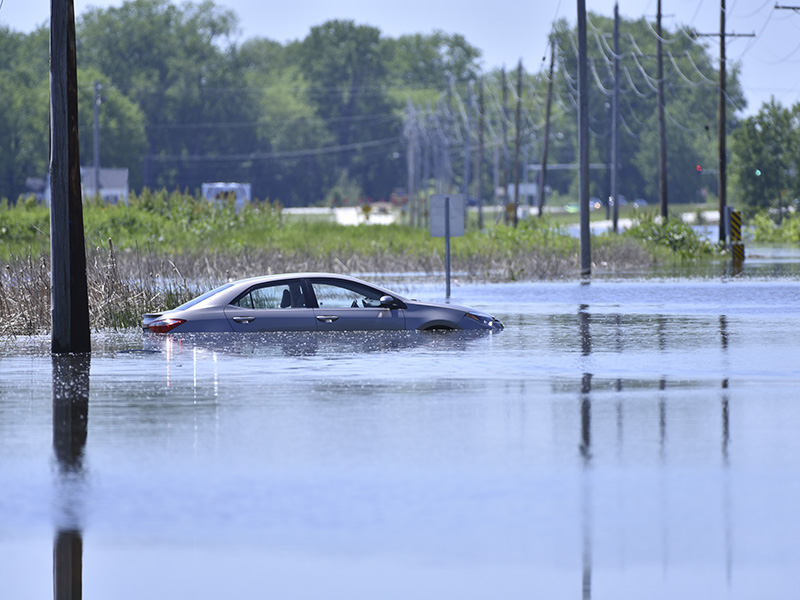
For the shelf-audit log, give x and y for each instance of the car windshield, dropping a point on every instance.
(205, 296)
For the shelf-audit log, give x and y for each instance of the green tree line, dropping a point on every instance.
(183, 100)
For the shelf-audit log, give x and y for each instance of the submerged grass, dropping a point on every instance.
(164, 249)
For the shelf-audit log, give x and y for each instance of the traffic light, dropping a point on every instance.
(699, 169)
(758, 172)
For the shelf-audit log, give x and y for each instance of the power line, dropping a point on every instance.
(324, 150)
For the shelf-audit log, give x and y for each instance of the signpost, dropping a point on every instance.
(447, 220)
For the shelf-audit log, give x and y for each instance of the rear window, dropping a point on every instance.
(205, 296)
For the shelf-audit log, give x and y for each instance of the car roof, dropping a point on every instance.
(239, 285)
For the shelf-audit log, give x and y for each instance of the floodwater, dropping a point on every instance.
(629, 438)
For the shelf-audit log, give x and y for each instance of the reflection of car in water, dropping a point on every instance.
(306, 344)
(311, 302)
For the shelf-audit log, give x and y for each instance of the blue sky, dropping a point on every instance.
(770, 61)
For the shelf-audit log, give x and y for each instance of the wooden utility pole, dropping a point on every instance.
(722, 127)
(662, 135)
(517, 142)
(96, 152)
(504, 158)
(722, 159)
(546, 140)
(615, 126)
(583, 143)
(468, 146)
(412, 162)
(70, 303)
(479, 157)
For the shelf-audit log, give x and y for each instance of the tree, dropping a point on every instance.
(345, 65)
(169, 60)
(288, 128)
(123, 140)
(419, 66)
(24, 109)
(765, 162)
(691, 104)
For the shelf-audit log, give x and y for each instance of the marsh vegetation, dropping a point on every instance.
(164, 248)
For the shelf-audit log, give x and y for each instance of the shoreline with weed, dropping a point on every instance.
(163, 249)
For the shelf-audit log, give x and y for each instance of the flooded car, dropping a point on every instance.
(311, 302)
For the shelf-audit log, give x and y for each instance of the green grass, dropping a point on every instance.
(767, 231)
(164, 248)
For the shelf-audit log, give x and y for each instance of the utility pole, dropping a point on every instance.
(615, 125)
(505, 143)
(468, 147)
(722, 128)
(662, 136)
(722, 159)
(546, 140)
(426, 169)
(583, 143)
(517, 141)
(70, 298)
(412, 161)
(96, 137)
(479, 157)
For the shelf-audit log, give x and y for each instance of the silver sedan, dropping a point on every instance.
(311, 302)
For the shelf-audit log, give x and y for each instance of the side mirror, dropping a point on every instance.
(388, 302)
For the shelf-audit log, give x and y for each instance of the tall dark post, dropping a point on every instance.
(96, 153)
(583, 143)
(615, 125)
(662, 136)
(70, 304)
(427, 156)
(468, 147)
(721, 126)
(504, 158)
(479, 157)
(412, 162)
(546, 139)
(517, 142)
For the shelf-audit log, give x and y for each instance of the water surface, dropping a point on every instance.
(625, 439)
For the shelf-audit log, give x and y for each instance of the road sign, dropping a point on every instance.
(439, 206)
(447, 220)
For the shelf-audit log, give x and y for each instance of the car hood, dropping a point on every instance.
(454, 307)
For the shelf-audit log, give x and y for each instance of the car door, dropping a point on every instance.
(273, 306)
(350, 306)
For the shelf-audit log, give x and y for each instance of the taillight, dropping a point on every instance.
(165, 325)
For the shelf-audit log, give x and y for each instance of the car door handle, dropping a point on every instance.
(327, 318)
(244, 319)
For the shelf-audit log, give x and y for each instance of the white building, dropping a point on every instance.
(113, 185)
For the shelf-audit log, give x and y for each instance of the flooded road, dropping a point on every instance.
(623, 439)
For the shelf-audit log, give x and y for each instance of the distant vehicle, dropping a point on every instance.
(311, 302)
(573, 207)
(621, 201)
(220, 193)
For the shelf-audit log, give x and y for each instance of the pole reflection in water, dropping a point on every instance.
(726, 439)
(70, 421)
(585, 449)
(586, 496)
(585, 333)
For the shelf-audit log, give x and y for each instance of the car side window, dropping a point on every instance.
(274, 295)
(351, 295)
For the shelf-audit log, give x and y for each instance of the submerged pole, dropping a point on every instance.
(70, 303)
(583, 143)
